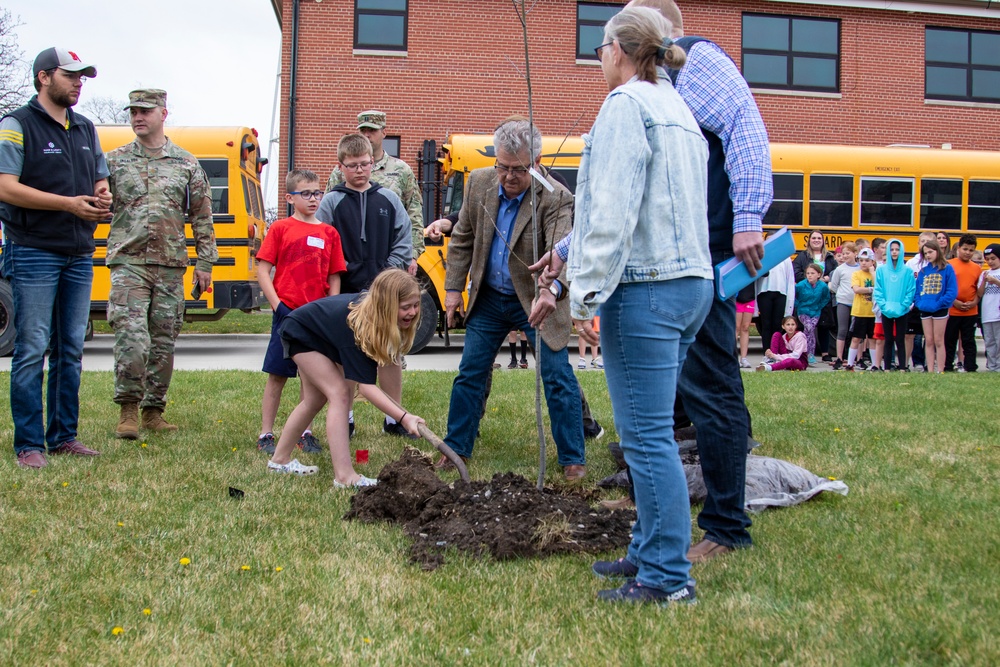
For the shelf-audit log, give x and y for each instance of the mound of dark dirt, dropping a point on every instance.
(506, 517)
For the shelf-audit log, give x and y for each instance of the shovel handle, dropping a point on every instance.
(432, 438)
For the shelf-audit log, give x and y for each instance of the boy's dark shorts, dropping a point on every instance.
(274, 359)
(913, 324)
(862, 327)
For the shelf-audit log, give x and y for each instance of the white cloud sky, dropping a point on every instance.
(217, 59)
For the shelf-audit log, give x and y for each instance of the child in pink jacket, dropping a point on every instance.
(788, 351)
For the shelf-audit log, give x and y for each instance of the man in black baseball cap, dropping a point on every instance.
(53, 183)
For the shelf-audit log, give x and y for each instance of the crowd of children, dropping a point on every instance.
(888, 313)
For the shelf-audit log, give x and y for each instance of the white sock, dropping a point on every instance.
(852, 356)
(263, 434)
(389, 420)
(350, 417)
(307, 432)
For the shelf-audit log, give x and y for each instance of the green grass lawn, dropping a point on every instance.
(235, 321)
(903, 570)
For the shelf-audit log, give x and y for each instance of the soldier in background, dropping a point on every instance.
(154, 183)
(391, 173)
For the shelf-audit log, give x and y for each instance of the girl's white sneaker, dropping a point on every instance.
(293, 467)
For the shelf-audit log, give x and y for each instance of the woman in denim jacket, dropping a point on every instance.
(640, 254)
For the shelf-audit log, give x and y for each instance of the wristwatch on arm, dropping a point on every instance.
(558, 290)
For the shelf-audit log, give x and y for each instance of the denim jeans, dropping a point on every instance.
(711, 390)
(51, 309)
(494, 316)
(646, 329)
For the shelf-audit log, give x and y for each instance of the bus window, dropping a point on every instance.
(940, 203)
(887, 201)
(984, 205)
(786, 209)
(569, 175)
(218, 177)
(455, 193)
(250, 199)
(831, 201)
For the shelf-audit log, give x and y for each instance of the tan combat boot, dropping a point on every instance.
(152, 420)
(128, 422)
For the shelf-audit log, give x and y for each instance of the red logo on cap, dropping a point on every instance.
(74, 56)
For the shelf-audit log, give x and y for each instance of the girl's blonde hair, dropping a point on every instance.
(644, 36)
(374, 319)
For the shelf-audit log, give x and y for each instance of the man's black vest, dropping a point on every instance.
(720, 206)
(60, 161)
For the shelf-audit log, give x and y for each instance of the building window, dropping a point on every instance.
(962, 65)
(984, 205)
(786, 208)
(887, 201)
(380, 24)
(831, 201)
(390, 144)
(791, 53)
(590, 20)
(940, 203)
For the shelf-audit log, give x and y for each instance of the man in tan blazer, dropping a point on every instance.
(490, 251)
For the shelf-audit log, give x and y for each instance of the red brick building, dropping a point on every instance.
(860, 72)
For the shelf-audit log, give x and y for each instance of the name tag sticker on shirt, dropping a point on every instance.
(315, 242)
(541, 179)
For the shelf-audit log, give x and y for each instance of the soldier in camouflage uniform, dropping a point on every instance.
(391, 173)
(154, 184)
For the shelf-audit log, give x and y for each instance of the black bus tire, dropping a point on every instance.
(6, 318)
(428, 322)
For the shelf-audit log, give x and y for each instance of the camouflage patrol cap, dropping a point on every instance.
(373, 119)
(147, 98)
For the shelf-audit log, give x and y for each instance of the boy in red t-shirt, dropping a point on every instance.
(307, 260)
(962, 316)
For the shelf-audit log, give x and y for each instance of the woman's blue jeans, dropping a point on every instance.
(51, 309)
(646, 329)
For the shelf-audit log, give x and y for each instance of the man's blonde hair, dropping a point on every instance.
(353, 145)
(668, 8)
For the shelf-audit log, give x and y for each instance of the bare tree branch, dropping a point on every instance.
(15, 71)
(105, 110)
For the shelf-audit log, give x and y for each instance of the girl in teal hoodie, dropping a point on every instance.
(893, 296)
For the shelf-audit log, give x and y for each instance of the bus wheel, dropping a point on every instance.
(6, 319)
(428, 322)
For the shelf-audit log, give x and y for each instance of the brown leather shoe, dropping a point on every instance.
(574, 473)
(31, 458)
(444, 464)
(74, 447)
(619, 504)
(706, 550)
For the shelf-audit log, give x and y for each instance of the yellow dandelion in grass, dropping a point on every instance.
(65, 484)
(367, 640)
(836, 430)
(278, 568)
(245, 568)
(34, 591)
(832, 479)
(185, 561)
(218, 421)
(147, 611)
(234, 449)
(144, 445)
(117, 630)
(121, 524)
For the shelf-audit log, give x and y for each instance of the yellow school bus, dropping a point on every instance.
(462, 154)
(232, 161)
(851, 192)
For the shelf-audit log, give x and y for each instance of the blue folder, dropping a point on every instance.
(732, 275)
